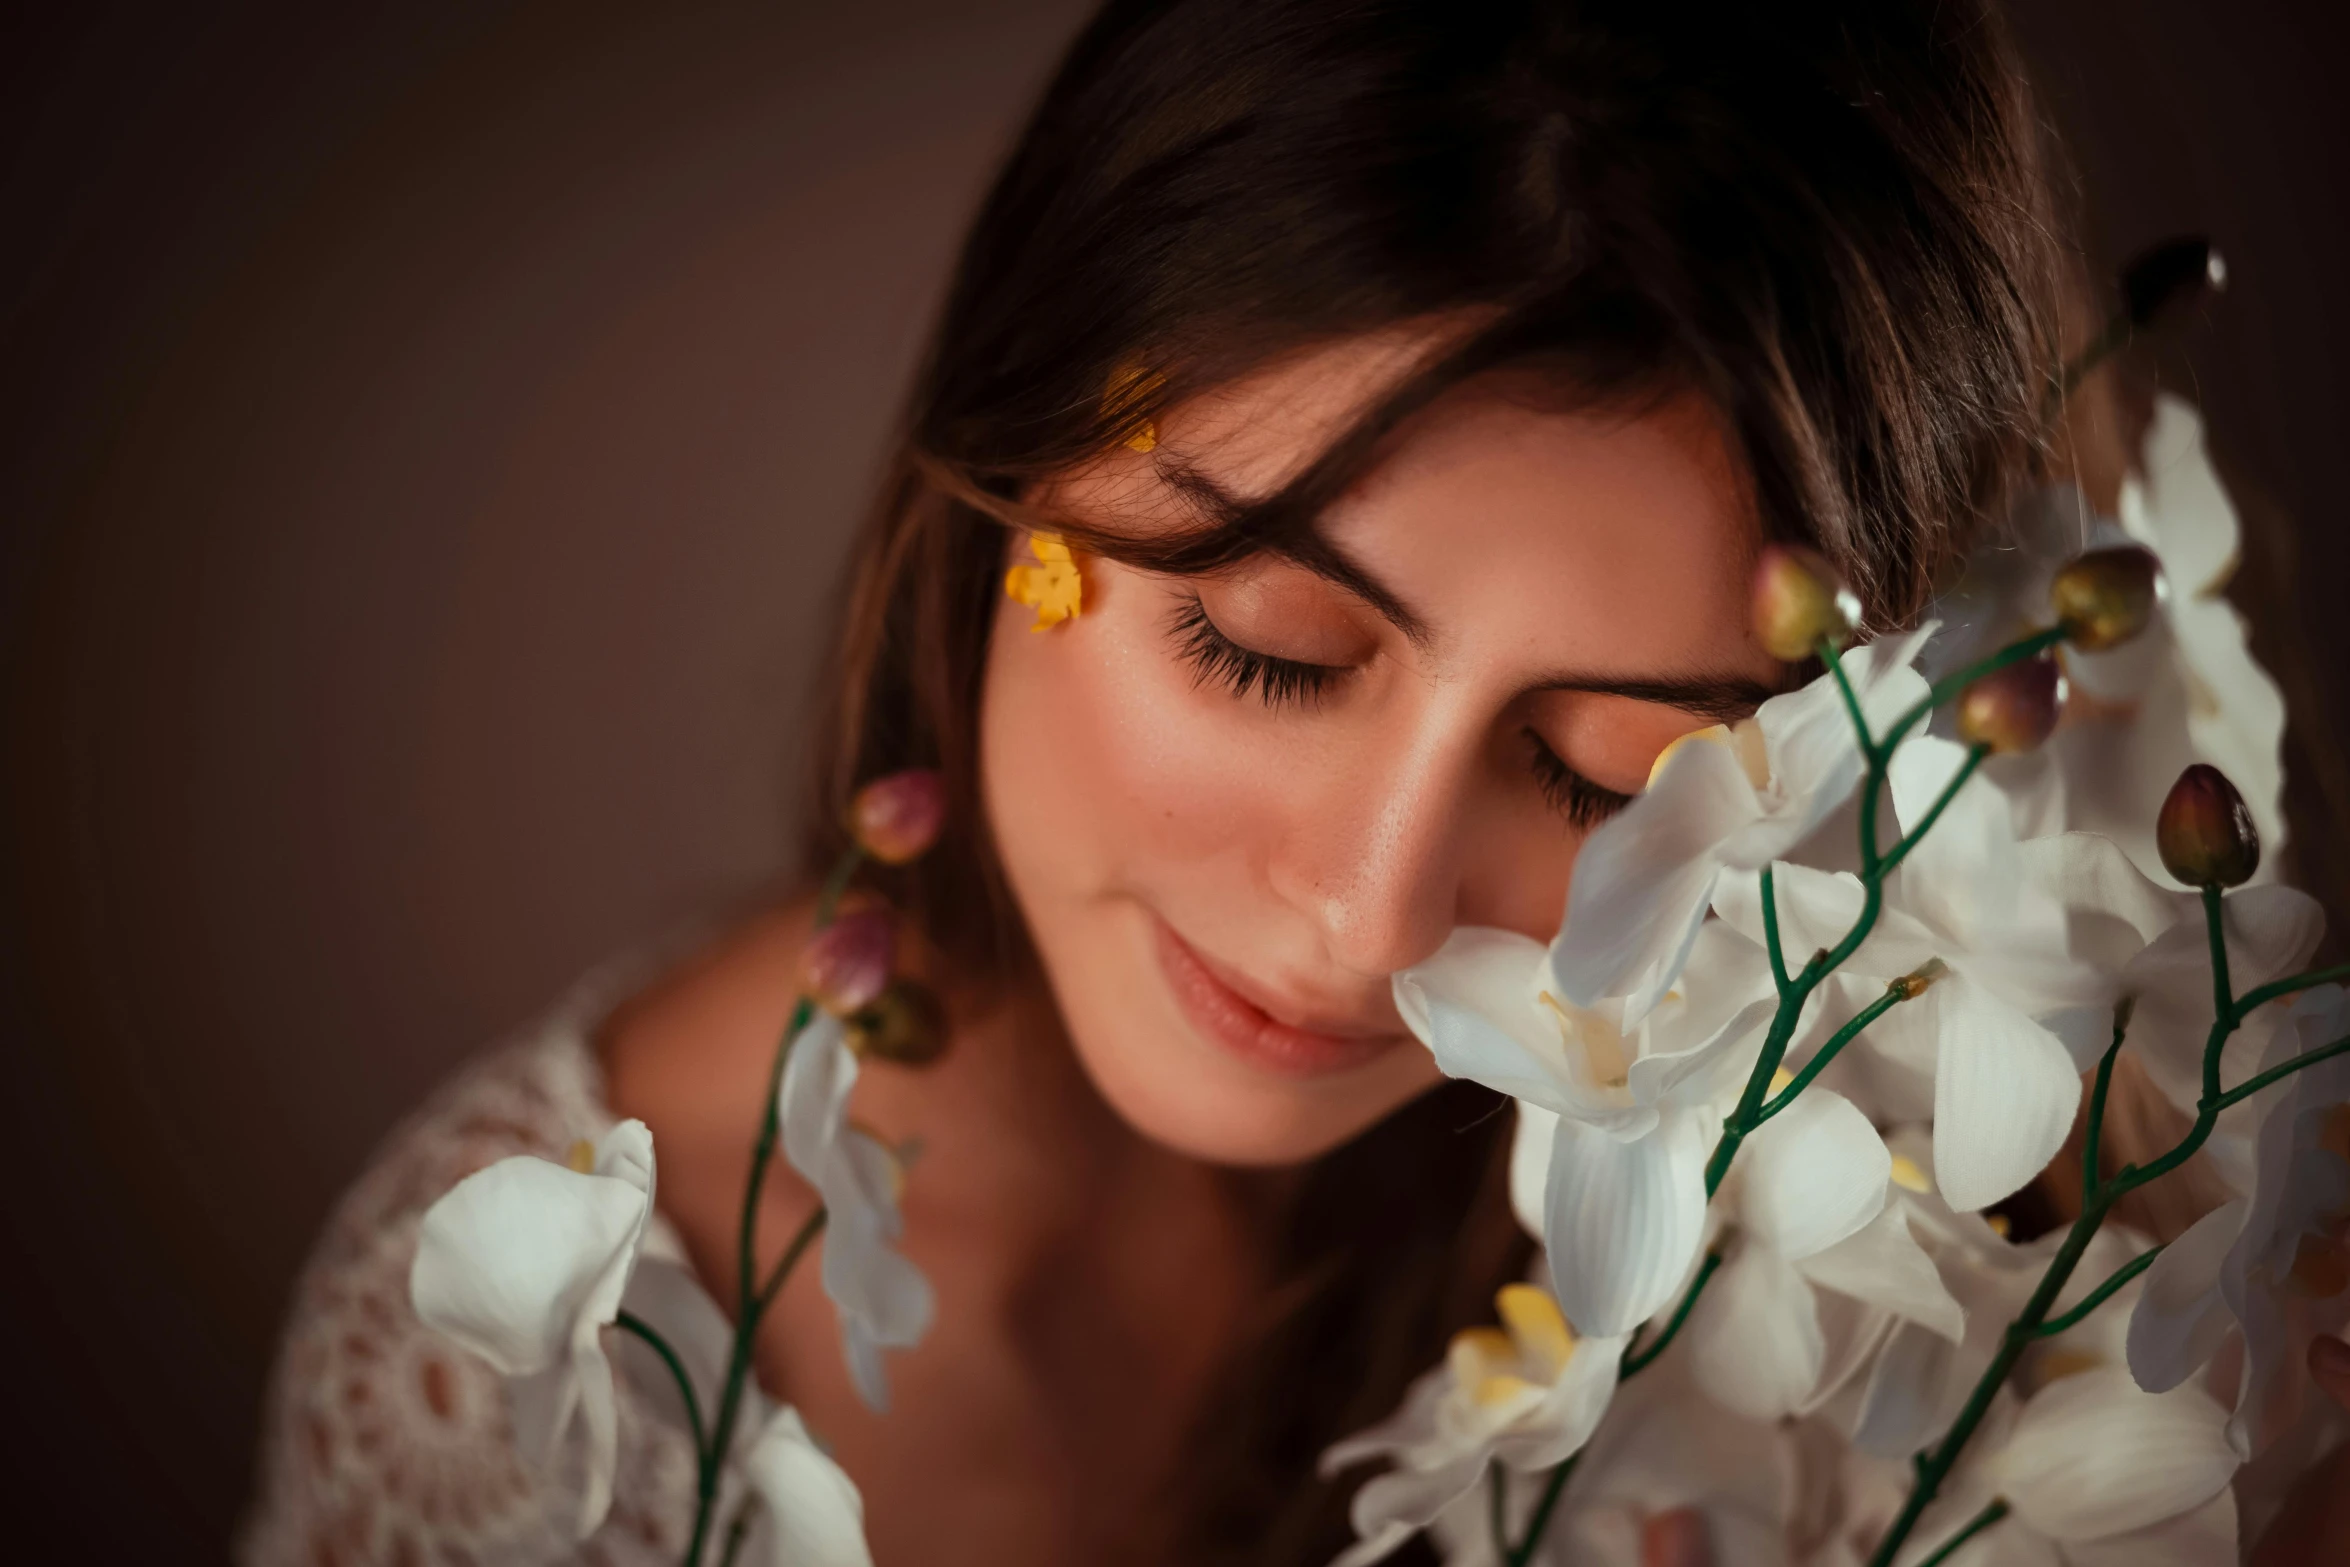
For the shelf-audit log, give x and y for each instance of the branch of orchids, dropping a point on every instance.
(753, 1295)
(2098, 1199)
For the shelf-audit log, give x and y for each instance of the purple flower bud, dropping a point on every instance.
(895, 818)
(2012, 709)
(2205, 832)
(846, 964)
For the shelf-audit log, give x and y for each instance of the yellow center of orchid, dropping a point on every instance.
(1744, 740)
(1601, 1042)
(1908, 1176)
(1499, 1365)
(581, 1156)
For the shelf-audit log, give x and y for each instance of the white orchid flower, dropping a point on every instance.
(1817, 1265)
(2186, 690)
(524, 1263)
(1638, 1109)
(1525, 1396)
(883, 1300)
(810, 1513)
(2095, 1473)
(1666, 1470)
(2273, 1266)
(1722, 799)
(2033, 945)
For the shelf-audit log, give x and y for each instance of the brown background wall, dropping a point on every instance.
(426, 438)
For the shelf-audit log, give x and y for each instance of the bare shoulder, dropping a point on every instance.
(382, 1441)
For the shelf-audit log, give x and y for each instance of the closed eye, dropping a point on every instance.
(1216, 659)
(1583, 803)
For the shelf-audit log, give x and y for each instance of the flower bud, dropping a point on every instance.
(1919, 980)
(2205, 832)
(896, 817)
(2161, 281)
(1800, 602)
(2012, 709)
(2104, 598)
(905, 1024)
(845, 966)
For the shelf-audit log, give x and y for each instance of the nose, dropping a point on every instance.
(1373, 855)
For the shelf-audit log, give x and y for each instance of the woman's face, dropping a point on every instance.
(1231, 807)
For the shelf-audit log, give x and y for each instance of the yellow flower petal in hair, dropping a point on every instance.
(1123, 401)
(1053, 587)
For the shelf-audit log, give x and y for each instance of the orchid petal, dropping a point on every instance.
(1813, 1174)
(1755, 1341)
(2180, 1317)
(2092, 1456)
(2197, 1539)
(819, 1072)
(2004, 1094)
(1530, 1163)
(1623, 1219)
(1496, 973)
(811, 1513)
(1642, 880)
(1908, 1393)
(508, 1259)
(1882, 1263)
(1392, 1507)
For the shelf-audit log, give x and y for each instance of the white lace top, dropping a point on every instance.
(385, 1443)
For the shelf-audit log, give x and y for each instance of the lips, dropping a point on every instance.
(1248, 1031)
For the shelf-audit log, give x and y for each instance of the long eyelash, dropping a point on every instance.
(1574, 796)
(1215, 657)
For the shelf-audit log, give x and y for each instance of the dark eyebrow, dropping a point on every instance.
(1315, 553)
(1724, 699)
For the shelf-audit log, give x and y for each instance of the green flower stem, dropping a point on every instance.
(1770, 918)
(737, 1531)
(750, 1296)
(1498, 1491)
(1894, 995)
(1966, 770)
(629, 1322)
(1636, 1359)
(1552, 1489)
(2250, 999)
(2098, 1296)
(2223, 999)
(2308, 1058)
(2111, 338)
(791, 1255)
(1975, 1525)
(2093, 1131)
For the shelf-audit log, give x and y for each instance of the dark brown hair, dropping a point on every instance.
(1828, 218)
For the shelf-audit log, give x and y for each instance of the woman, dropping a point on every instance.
(1415, 383)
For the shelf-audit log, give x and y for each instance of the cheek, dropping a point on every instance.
(1104, 768)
